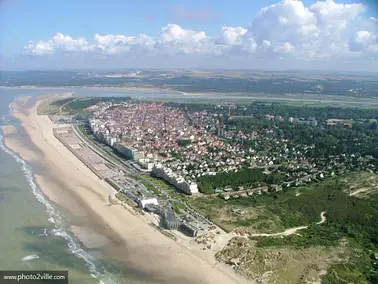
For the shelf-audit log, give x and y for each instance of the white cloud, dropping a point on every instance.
(330, 11)
(287, 47)
(232, 36)
(40, 48)
(175, 39)
(325, 29)
(266, 43)
(174, 33)
(309, 30)
(365, 41)
(58, 42)
(115, 44)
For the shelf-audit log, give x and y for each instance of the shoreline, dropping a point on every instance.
(129, 238)
(139, 89)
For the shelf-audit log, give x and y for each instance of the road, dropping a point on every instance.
(61, 107)
(129, 169)
(100, 152)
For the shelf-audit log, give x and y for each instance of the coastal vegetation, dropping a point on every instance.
(74, 105)
(244, 177)
(282, 265)
(53, 107)
(80, 104)
(259, 109)
(349, 219)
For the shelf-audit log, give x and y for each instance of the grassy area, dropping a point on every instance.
(294, 206)
(79, 104)
(159, 183)
(224, 213)
(283, 265)
(52, 107)
(123, 198)
(72, 105)
(82, 129)
(349, 218)
(362, 184)
(177, 207)
(150, 187)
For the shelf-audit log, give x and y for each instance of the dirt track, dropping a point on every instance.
(291, 230)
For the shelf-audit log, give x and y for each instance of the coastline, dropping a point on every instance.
(129, 88)
(123, 235)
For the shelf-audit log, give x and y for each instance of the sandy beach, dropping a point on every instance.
(127, 238)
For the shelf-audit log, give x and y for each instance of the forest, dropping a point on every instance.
(359, 138)
(260, 109)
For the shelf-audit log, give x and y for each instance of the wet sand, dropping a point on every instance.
(68, 182)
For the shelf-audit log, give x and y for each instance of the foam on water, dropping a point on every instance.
(55, 218)
(30, 257)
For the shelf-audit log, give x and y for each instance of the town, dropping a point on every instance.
(196, 150)
(217, 174)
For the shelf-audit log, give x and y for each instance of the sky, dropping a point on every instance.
(240, 34)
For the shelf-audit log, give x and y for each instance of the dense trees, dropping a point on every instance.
(360, 138)
(260, 109)
(184, 142)
(78, 105)
(209, 183)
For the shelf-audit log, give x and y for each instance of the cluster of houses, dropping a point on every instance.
(150, 134)
(243, 193)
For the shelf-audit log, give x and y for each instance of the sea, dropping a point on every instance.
(34, 232)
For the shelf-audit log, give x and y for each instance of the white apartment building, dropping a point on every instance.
(169, 176)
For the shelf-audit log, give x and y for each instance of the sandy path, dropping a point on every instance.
(140, 246)
(291, 231)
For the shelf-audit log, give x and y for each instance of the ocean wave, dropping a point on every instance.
(55, 218)
(30, 257)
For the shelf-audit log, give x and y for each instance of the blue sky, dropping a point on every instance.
(221, 33)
